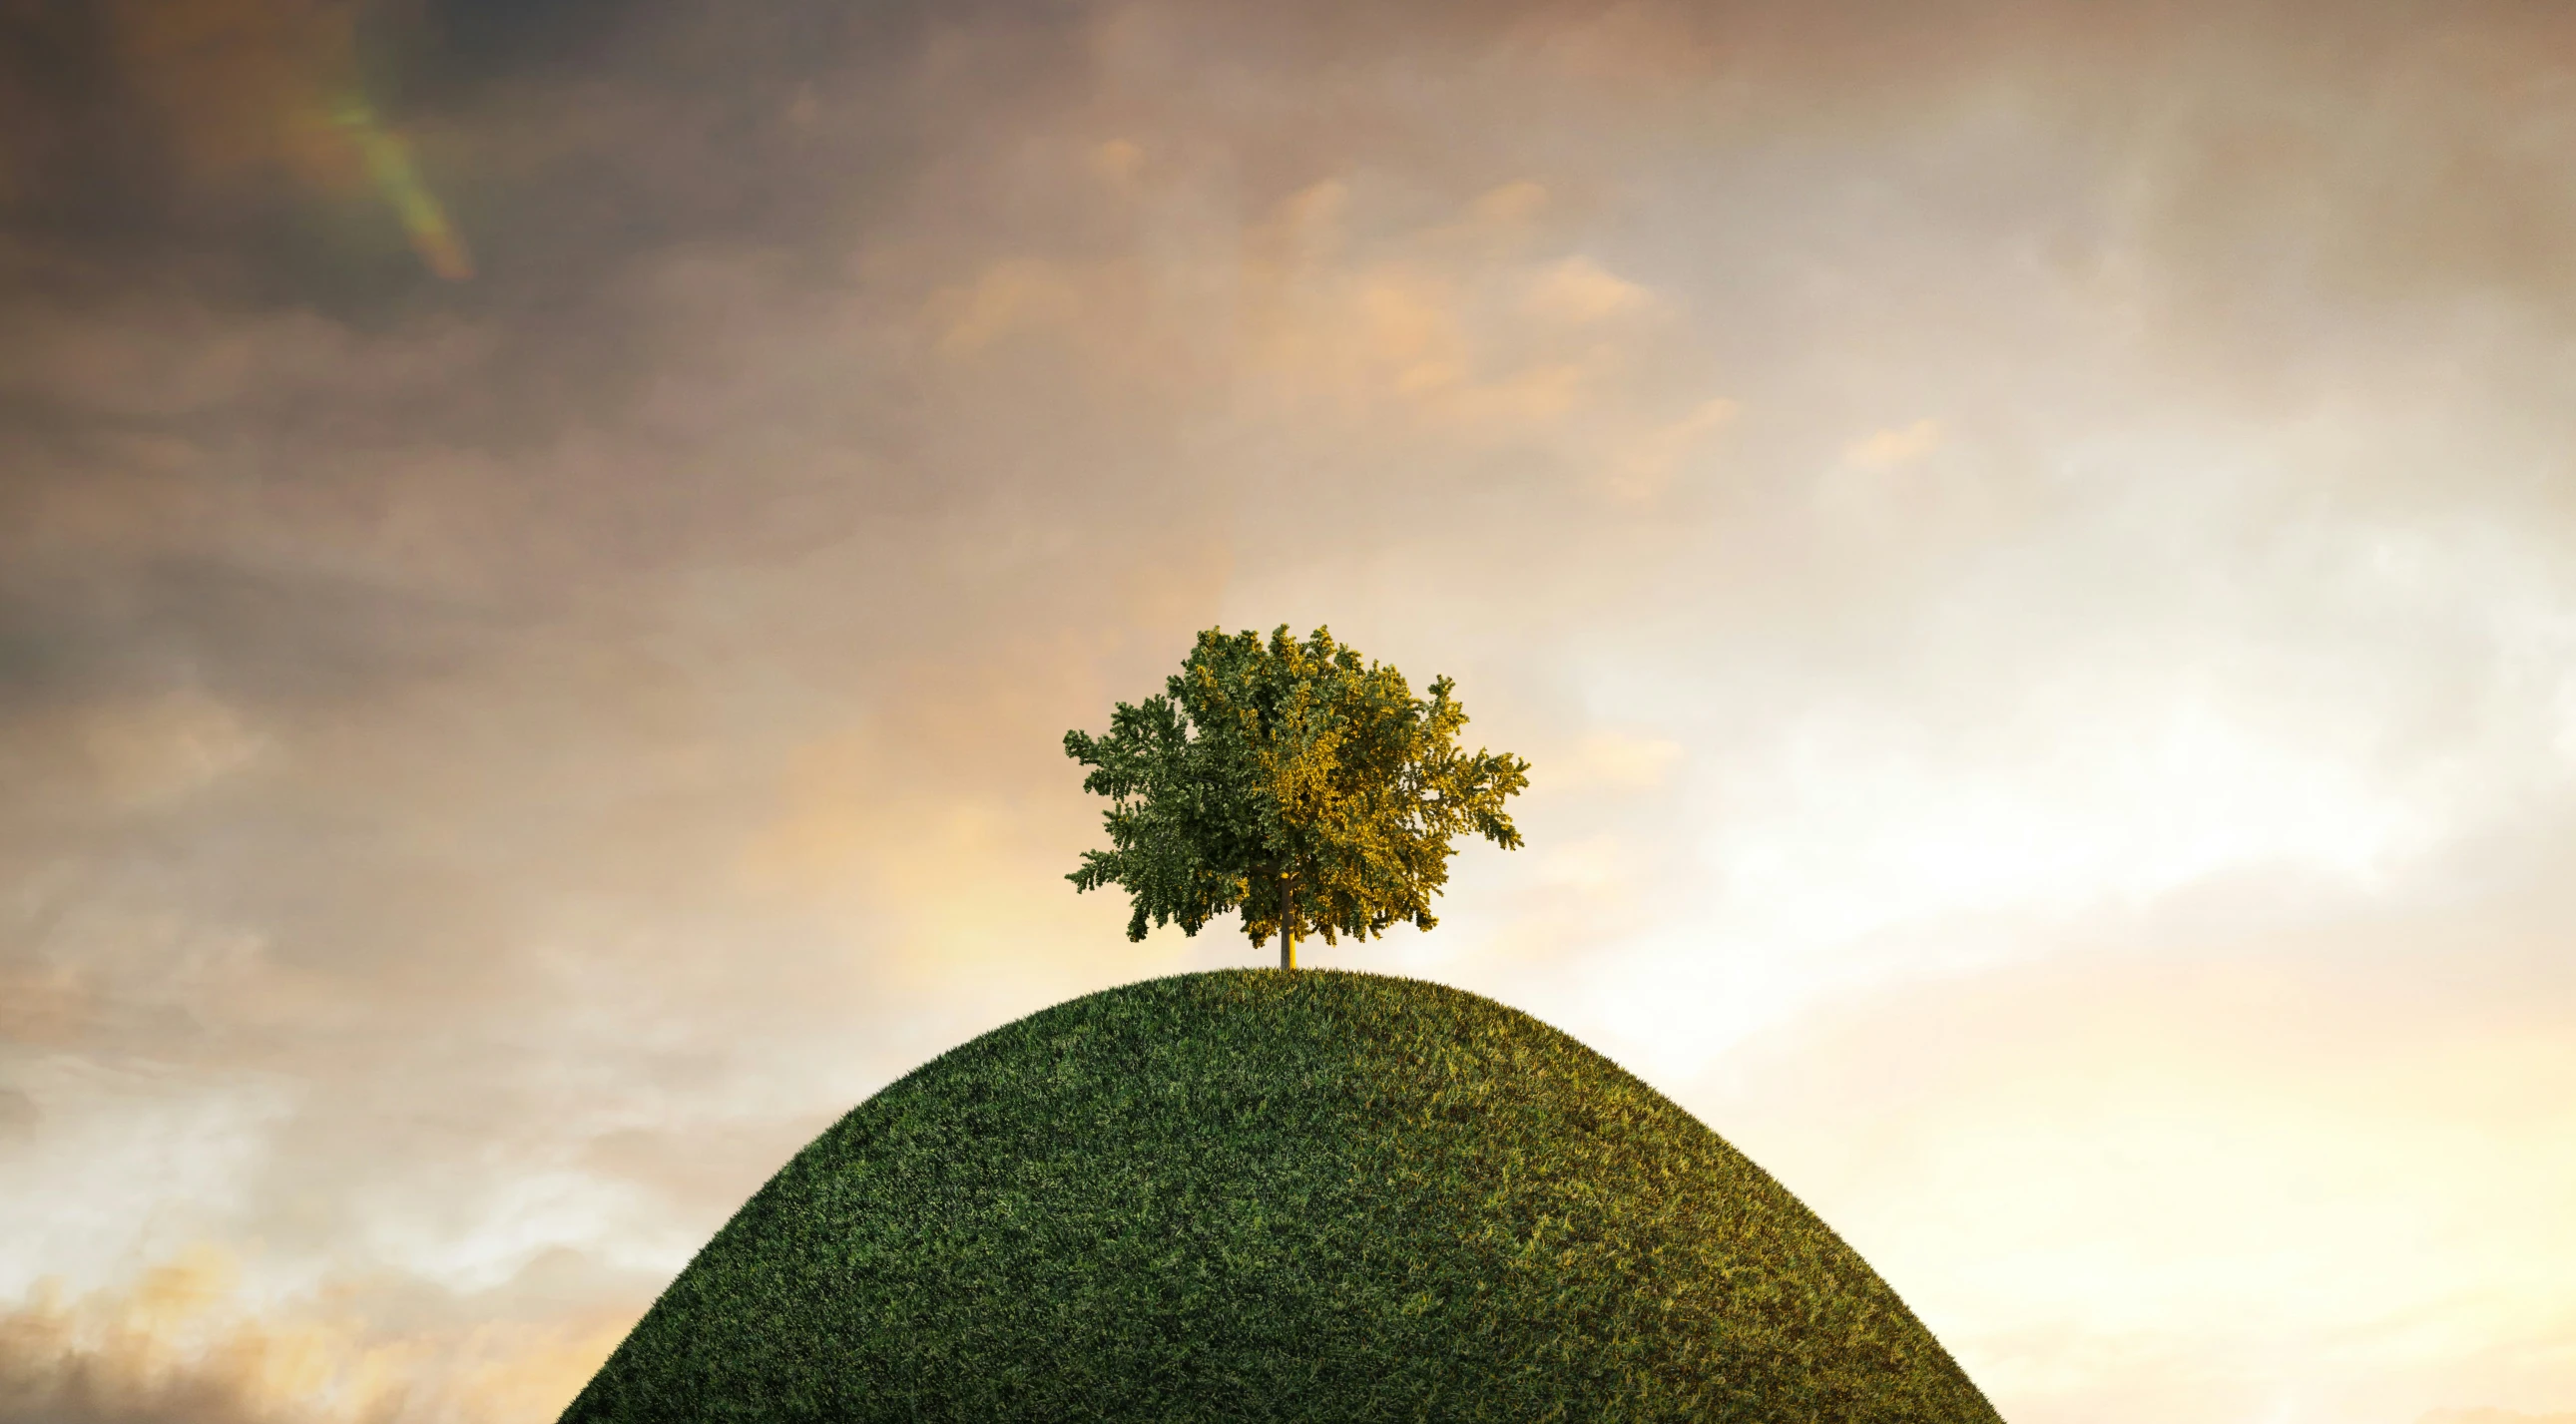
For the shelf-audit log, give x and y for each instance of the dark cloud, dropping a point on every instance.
(307, 637)
(193, 148)
(434, 52)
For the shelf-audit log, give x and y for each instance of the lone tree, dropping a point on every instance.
(1290, 781)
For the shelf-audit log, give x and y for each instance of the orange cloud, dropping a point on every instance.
(1614, 760)
(1888, 449)
(1006, 297)
(186, 1343)
(1441, 328)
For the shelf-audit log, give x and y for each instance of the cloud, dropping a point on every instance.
(1598, 868)
(1514, 205)
(1888, 449)
(1009, 296)
(166, 747)
(2296, 1121)
(486, 768)
(1487, 349)
(1654, 458)
(187, 1342)
(1617, 761)
(1118, 162)
(1577, 290)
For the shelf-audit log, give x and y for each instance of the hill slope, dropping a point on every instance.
(1265, 1196)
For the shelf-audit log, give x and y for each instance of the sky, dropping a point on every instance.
(547, 552)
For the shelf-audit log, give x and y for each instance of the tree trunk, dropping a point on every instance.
(1287, 923)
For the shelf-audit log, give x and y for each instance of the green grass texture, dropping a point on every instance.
(1268, 1195)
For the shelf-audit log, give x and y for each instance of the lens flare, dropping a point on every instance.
(388, 162)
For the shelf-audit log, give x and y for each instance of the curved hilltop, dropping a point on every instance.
(1276, 1196)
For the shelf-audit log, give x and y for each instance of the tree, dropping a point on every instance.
(1289, 781)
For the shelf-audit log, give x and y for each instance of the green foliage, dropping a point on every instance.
(1332, 1197)
(1291, 781)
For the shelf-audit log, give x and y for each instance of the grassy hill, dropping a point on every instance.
(1266, 1196)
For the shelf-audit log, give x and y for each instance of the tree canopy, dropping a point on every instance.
(1293, 782)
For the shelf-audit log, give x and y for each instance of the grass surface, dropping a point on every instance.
(1276, 1196)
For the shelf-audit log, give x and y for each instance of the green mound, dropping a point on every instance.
(1274, 1196)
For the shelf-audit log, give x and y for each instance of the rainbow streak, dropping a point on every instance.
(388, 161)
